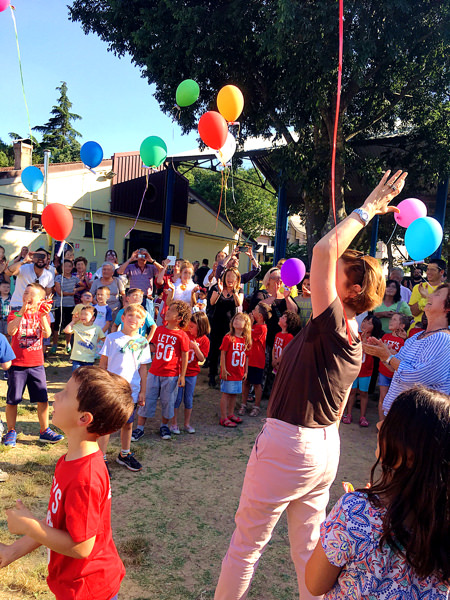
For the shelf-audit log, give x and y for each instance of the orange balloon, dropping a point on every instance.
(230, 102)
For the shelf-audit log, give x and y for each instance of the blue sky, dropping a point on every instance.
(116, 104)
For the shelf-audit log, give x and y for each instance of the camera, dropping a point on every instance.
(141, 255)
(243, 248)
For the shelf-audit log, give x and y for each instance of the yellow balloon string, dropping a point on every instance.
(20, 67)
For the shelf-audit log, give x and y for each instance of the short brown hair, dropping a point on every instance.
(365, 271)
(133, 291)
(80, 259)
(293, 322)
(184, 312)
(91, 308)
(135, 308)
(39, 287)
(103, 287)
(106, 396)
(265, 310)
(202, 322)
(445, 286)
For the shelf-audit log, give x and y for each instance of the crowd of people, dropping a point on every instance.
(311, 350)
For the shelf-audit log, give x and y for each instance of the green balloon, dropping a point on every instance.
(187, 92)
(153, 151)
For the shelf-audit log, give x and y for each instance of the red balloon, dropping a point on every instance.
(213, 129)
(57, 221)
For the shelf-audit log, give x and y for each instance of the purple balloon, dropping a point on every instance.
(410, 210)
(292, 271)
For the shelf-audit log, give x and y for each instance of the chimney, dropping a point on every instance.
(23, 154)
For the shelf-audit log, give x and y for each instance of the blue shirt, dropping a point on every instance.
(142, 330)
(6, 352)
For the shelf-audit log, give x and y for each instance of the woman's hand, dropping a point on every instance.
(286, 292)
(375, 347)
(377, 202)
(220, 286)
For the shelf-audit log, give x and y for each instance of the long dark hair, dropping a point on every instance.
(377, 331)
(414, 454)
(398, 295)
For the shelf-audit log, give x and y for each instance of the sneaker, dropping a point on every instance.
(164, 432)
(3, 476)
(50, 437)
(136, 435)
(10, 438)
(5, 375)
(69, 348)
(129, 461)
(107, 467)
(175, 429)
(189, 429)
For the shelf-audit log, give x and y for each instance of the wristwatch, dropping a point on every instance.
(363, 215)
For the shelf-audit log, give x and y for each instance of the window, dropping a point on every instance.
(14, 219)
(97, 228)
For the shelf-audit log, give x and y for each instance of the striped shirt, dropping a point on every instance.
(141, 279)
(422, 361)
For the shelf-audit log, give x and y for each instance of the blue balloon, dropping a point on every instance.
(423, 237)
(32, 178)
(91, 154)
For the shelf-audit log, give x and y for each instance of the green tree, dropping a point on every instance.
(283, 56)
(244, 202)
(58, 134)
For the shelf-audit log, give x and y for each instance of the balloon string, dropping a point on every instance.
(220, 201)
(227, 173)
(92, 221)
(140, 206)
(392, 234)
(20, 67)
(333, 154)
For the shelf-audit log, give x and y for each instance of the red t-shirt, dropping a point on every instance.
(257, 353)
(366, 366)
(415, 330)
(169, 344)
(235, 357)
(80, 503)
(280, 342)
(193, 367)
(395, 343)
(27, 341)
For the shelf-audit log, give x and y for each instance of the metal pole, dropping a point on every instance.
(374, 236)
(46, 163)
(167, 218)
(439, 212)
(281, 227)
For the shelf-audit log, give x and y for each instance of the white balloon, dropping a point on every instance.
(227, 151)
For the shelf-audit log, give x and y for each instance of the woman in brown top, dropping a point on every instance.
(295, 457)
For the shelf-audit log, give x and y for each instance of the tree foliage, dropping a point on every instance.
(283, 56)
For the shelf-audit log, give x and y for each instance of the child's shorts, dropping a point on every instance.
(164, 388)
(231, 387)
(31, 377)
(77, 363)
(255, 375)
(383, 380)
(361, 383)
(133, 414)
(186, 393)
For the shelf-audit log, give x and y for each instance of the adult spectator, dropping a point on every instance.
(30, 269)
(210, 277)
(391, 304)
(303, 301)
(3, 266)
(111, 257)
(415, 279)
(84, 278)
(296, 455)
(425, 357)
(202, 272)
(232, 261)
(226, 299)
(435, 275)
(398, 275)
(64, 302)
(140, 269)
(116, 287)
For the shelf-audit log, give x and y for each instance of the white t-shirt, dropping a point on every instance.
(185, 295)
(405, 294)
(125, 355)
(27, 275)
(104, 314)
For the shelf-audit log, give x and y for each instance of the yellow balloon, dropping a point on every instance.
(230, 102)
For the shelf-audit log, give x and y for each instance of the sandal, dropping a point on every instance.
(255, 411)
(235, 419)
(242, 410)
(227, 423)
(347, 419)
(363, 422)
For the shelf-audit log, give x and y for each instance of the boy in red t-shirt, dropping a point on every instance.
(83, 560)
(398, 326)
(171, 346)
(27, 328)
(234, 366)
(290, 325)
(256, 358)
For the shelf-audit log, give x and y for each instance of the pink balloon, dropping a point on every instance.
(292, 271)
(410, 210)
(4, 5)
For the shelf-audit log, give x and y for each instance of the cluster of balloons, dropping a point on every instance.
(292, 272)
(213, 125)
(423, 234)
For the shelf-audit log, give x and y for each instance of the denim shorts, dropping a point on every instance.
(186, 394)
(78, 363)
(31, 377)
(231, 387)
(164, 388)
(361, 383)
(383, 380)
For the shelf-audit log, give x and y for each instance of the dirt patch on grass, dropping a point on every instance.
(172, 521)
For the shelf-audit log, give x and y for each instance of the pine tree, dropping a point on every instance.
(58, 134)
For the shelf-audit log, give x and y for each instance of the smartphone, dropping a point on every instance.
(243, 248)
(171, 260)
